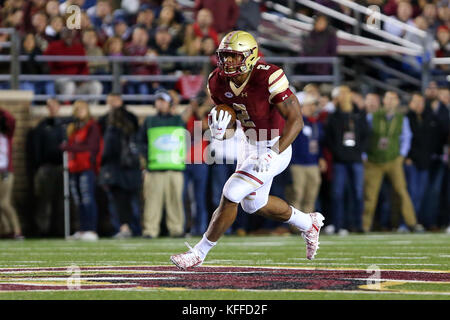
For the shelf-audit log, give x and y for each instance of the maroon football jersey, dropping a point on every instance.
(254, 101)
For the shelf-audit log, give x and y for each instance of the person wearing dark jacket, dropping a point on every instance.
(120, 173)
(418, 160)
(46, 138)
(346, 135)
(307, 159)
(320, 42)
(440, 112)
(31, 66)
(84, 150)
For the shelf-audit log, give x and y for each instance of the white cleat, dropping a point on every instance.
(89, 236)
(189, 259)
(311, 236)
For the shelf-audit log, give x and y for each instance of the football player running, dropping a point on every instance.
(269, 113)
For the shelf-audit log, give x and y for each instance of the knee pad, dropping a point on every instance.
(236, 189)
(250, 204)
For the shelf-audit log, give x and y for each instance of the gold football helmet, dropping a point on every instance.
(237, 53)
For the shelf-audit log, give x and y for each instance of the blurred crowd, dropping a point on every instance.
(432, 17)
(373, 162)
(163, 27)
(119, 28)
(382, 162)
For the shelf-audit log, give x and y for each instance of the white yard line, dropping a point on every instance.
(276, 265)
(312, 264)
(393, 258)
(248, 290)
(64, 279)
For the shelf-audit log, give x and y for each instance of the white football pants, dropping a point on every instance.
(249, 187)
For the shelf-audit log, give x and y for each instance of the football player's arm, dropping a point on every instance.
(228, 132)
(291, 111)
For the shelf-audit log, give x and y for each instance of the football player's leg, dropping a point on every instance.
(222, 219)
(259, 201)
(235, 189)
(238, 186)
(309, 224)
(276, 209)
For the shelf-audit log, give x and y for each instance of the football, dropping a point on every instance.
(230, 110)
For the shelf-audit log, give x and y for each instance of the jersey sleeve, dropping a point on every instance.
(278, 85)
(211, 87)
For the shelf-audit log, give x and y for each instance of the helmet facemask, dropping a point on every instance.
(233, 63)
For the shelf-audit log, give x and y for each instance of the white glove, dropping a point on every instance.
(218, 125)
(263, 162)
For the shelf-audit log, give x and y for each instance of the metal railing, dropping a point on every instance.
(368, 11)
(356, 23)
(393, 43)
(117, 76)
(14, 47)
(298, 28)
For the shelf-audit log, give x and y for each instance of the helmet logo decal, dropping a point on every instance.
(228, 94)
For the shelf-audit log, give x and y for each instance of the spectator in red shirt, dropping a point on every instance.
(225, 13)
(138, 47)
(197, 31)
(84, 149)
(69, 46)
(202, 27)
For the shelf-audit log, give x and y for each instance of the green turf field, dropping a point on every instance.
(418, 252)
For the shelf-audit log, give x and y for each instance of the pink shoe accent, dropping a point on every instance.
(311, 236)
(188, 259)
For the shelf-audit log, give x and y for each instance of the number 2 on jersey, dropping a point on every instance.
(243, 116)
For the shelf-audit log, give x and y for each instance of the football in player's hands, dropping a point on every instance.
(228, 109)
